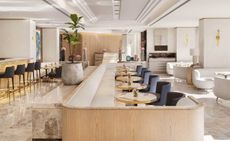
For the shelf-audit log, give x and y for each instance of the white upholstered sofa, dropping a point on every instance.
(204, 78)
(170, 66)
(222, 88)
(180, 72)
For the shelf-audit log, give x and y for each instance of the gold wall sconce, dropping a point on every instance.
(218, 37)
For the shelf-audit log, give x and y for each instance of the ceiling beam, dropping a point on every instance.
(168, 12)
(151, 4)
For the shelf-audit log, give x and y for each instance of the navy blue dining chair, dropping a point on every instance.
(138, 69)
(153, 79)
(146, 81)
(143, 70)
(163, 88)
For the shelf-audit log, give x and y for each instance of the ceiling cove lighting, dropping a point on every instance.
(116, 9)
(148, 8)
(169, 11)
(83, 6)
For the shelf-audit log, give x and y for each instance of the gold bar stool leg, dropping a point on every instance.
(8, 87)
(19, 86)
(13, 88)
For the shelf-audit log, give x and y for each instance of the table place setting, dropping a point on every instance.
(136, 97)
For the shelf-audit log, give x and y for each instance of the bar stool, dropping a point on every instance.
(9, 73)
(30, 69)
(20, 71)
(38, 69)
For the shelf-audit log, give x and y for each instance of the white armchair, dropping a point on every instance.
(222, 88)
(204, 78)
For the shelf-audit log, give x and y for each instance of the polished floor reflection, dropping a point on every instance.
(16, 119)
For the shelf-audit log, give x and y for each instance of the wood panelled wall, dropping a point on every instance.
(95, 42)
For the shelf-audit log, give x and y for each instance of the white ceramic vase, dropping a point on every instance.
(72, 73)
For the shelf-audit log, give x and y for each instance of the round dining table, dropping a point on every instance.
(141, 98)
(129, 87)
(126, 78)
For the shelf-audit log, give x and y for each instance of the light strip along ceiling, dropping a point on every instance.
(148, 8)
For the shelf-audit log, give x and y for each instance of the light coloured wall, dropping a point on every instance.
(50, 43)
(185, 40)
(133, 44)
(17, 39)
(150, 42)
(161, 36)
(212, 54)
(165, 36)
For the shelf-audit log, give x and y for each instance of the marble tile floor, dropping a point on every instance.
(16, 122)
(216, 116)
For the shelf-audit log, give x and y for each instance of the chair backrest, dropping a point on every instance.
(163, 88)
(20, 69)
(138, 68)
(38, 65)
(146, 77)
(9, 72)
(153, 79)
(30, 67)
(58, 72)
(143, 72)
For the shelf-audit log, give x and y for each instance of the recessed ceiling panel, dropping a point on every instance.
(189, 14)
(130, 9)
(103, 9)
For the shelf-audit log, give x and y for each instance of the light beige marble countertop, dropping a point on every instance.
(55, 97)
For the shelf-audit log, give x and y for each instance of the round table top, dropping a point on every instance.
(125, 78)
(126, 86)
(122, 73)
(123, 69)
(142, 98)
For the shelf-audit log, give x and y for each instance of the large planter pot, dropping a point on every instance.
(72, 73)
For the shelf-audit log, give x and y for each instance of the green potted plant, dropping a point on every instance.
(72, 72)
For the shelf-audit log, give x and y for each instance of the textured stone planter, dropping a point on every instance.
(72, 74)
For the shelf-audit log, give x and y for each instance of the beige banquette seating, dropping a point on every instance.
(84, 122)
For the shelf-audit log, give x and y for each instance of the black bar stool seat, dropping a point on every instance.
(30, 69)
(37, 68)
(8, 74)
(20, 71)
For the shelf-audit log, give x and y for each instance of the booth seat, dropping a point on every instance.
(170, 66)
(91, 114)
(204, 78)
(221, 88)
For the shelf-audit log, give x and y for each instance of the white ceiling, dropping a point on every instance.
(37, 10)
(189, 14)
(115, 15)
(98, 14)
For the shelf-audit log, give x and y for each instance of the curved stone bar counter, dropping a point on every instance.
(92, 113)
